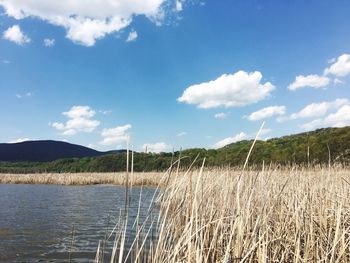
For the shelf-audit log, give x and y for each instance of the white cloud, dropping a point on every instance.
(267, 113)
(229, 90)
(20, 140)
(337, 81)
(181, 134)
(49, 42)
(239, 137)
(80, 120)
(341, 67)
(178, 6)
(341, 118)
(156, 147)
(221, 115)
(319, 109)
(86, 22)
(115, 135)
(132, 36)
(313, 81)
(16, 35)
(5, 61)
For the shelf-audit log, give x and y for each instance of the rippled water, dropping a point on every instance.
(36, 221)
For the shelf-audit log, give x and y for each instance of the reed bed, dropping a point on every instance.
(149, 179)
(270, 215)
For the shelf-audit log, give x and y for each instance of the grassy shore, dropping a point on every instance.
(150, 179)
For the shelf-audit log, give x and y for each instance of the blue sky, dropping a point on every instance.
(171, 73)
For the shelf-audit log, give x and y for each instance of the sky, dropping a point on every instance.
(171, 73)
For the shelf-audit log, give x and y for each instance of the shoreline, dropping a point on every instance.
(135, 179)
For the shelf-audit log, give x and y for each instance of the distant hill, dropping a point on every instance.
(43, 151)
(315, 147)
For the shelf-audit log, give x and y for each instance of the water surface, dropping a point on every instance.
(37, 221)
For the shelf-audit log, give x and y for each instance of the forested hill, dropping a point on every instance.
(316, 147)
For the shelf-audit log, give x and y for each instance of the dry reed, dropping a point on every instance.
(149, 179)
(296, 215)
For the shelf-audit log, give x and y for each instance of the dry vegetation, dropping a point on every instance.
(273, 215)
(150, 179)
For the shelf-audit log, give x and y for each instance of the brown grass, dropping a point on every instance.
(150, 179)
(296, 215)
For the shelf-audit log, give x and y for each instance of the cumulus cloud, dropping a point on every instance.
(16, 35)
(239, 137)
(267, 112)
(132, 36)
(115, 135)
(49, 42)
(79, 120)
(221, 115)
(86, 23)
(156, 147)
(229, 90)
(340, 118)
(312, 81)
(340, 68)
(319, 109)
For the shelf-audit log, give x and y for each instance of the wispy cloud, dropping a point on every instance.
(22, 95)
(132, 36)
(49, 42)
(221, 115)
(181, 134)
(105, 112)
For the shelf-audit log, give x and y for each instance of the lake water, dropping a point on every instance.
(36, 221)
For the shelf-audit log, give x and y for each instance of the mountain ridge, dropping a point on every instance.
(44, 151)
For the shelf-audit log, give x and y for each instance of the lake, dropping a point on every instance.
(37, 221)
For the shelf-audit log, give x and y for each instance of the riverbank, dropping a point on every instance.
(147, 179)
